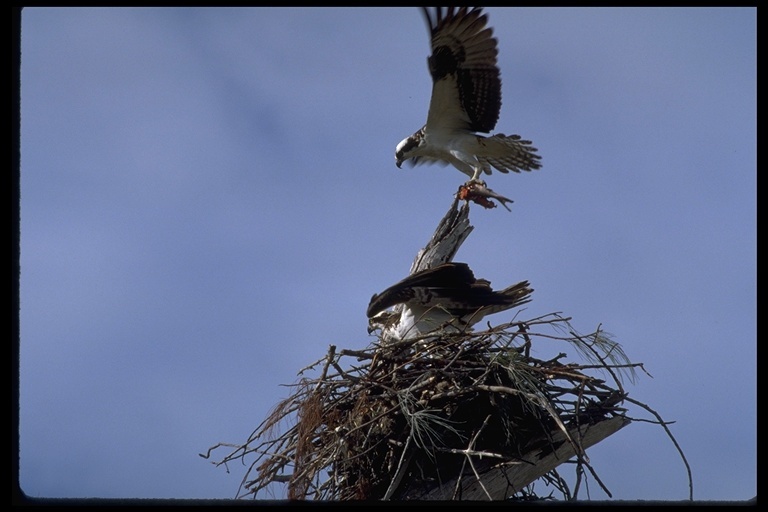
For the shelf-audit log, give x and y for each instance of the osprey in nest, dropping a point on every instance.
(466, 98)
(446, 296)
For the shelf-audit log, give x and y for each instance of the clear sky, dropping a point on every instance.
(209, 199)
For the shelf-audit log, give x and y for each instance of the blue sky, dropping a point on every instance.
(209, 199)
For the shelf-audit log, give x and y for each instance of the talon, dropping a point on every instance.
(477, 192)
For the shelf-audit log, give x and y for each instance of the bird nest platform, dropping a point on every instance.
(449, 416)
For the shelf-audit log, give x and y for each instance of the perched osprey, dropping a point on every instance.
(446, 296)
(466, 98)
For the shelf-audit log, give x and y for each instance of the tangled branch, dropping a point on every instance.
(473, 409)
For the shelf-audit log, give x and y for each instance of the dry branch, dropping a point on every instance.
(458, 416)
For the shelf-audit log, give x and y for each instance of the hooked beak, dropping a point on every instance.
(399, 158)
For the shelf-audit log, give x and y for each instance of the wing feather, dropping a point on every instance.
(507, 153)
(452, 275)
(466, 90)
(451, 287)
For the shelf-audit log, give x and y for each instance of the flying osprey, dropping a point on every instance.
(446, 296)
(466, 98)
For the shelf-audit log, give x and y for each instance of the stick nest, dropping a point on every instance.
(395, 420)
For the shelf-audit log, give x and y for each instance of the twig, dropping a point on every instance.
(399, 472)
(328, 361)
(469, 448)
(674, 442)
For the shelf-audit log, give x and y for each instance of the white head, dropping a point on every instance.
(405, 149)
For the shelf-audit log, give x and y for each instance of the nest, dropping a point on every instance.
(468, 415)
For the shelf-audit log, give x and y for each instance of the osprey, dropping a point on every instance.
(466, 98)
(446, 296)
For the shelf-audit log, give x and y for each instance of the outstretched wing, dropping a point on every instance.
(452, 287)
(420, 286)
(466, 83)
